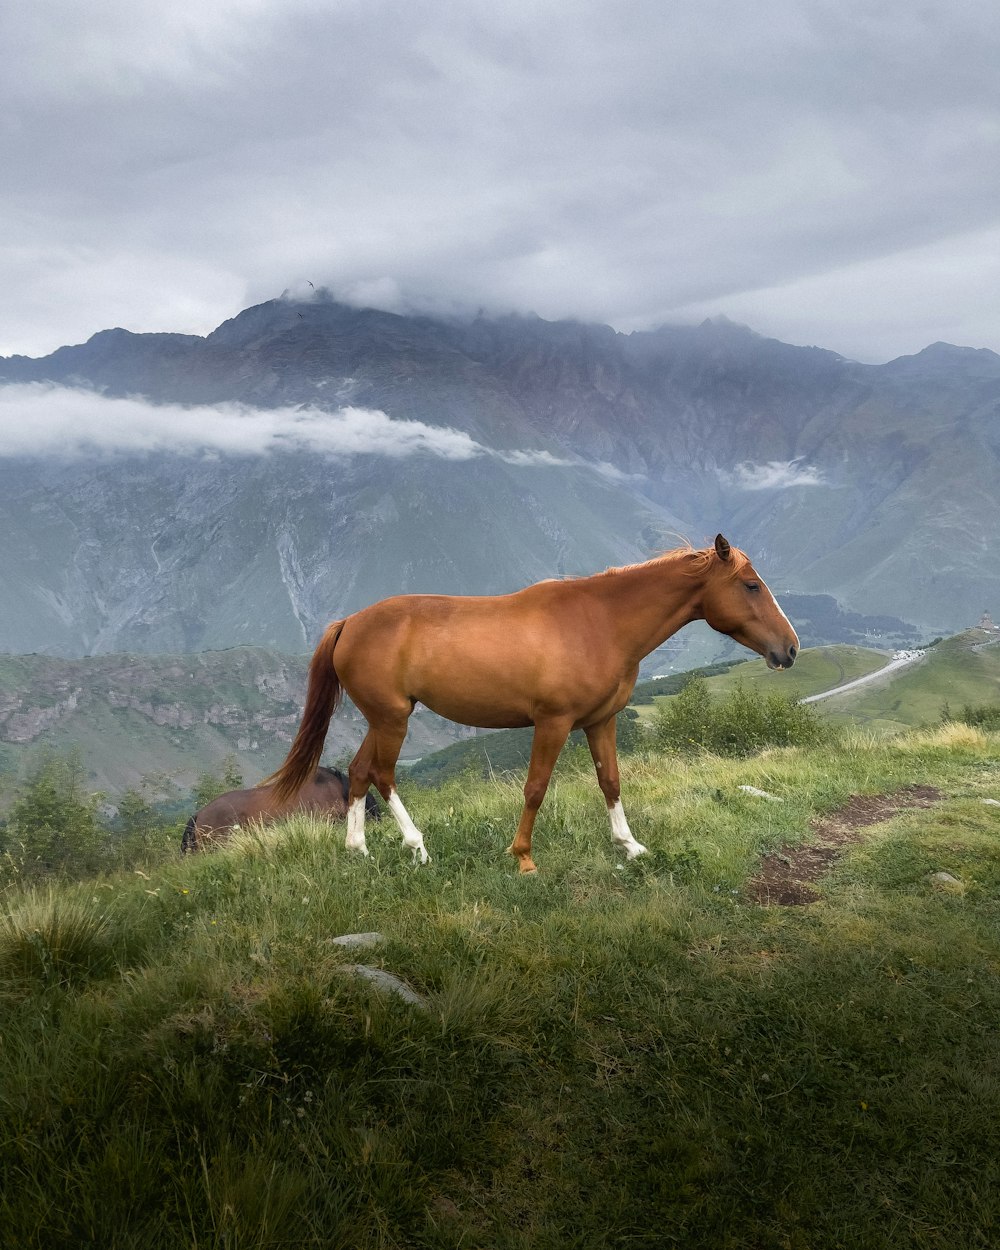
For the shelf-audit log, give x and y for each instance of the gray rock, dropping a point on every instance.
(761, 794)
(357, 939)
(386, 981)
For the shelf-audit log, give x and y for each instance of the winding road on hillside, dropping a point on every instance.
(901, 659)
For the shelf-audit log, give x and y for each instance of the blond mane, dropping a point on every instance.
(699, 558)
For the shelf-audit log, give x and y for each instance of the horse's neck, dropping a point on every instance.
(652, 601)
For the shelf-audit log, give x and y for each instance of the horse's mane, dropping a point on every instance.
(698, 560)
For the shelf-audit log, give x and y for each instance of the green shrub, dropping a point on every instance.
(57, 829)
(53, 826)
(210, 785)
(742, 722)
(981, 716)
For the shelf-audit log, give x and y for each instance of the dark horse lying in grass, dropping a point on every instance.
(560, 655)
(326, 795)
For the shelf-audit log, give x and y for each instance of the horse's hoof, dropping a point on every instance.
(636, 850)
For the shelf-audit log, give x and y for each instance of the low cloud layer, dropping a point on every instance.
(774, 475)
(42, 420)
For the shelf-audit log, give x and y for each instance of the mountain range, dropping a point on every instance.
(175, 493)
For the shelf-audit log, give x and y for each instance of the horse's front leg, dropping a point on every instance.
(604, 750)
(549, 739)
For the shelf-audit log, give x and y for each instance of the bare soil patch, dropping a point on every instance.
(785, 875)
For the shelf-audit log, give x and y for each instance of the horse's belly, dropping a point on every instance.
(483, 713)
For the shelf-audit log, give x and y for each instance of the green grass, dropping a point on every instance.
(611, 1054)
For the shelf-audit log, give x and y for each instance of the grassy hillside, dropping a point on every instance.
(956, 672)
(604, 1054)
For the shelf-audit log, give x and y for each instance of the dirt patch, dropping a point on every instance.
(785, 875)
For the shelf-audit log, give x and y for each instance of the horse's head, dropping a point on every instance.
(737, 602)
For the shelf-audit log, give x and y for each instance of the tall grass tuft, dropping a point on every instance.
(52, 939)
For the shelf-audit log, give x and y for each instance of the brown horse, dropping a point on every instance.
(559, 655)
(325, 795)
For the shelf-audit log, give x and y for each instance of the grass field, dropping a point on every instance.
(604, 1055)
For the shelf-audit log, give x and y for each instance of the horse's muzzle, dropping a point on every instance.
(782, 659)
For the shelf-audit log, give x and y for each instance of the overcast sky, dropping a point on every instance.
(827, 172)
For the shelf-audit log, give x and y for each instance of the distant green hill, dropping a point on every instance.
(816, 669)
(964, 669)
(961, 670)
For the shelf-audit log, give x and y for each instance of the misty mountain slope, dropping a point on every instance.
(172, 554)
(873, 484)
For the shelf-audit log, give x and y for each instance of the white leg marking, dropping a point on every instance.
(412, 837)
(355, 840)
(622, 834)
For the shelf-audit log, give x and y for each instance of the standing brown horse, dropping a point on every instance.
(325, 795)
(559, 655)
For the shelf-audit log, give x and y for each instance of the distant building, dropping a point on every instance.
(986, 622)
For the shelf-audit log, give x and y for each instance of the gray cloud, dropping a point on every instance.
(827, 172)
(43, 420)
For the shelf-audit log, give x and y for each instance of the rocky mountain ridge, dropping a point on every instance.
(872, 484)
(135, 717)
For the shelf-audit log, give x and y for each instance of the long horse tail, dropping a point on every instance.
(189, 842)
(323, 697)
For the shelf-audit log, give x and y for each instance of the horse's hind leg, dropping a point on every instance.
(604, 750)
(360, 777)
(375, 764)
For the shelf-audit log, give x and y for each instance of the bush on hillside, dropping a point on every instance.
(980, 716)
(210, 785)
(53, 826)
(57, 828)
(141, 831)
(740, 723)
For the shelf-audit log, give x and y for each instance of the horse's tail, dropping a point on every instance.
(188, 841)
(322, 700)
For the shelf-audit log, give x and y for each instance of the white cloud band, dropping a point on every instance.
(43, 420)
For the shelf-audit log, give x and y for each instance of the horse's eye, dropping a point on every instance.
(753, 587)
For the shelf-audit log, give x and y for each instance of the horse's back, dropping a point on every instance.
(229, 810)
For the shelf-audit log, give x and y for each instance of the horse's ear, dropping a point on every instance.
(722, 548)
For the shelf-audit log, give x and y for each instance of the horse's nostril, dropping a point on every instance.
(793, 651)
